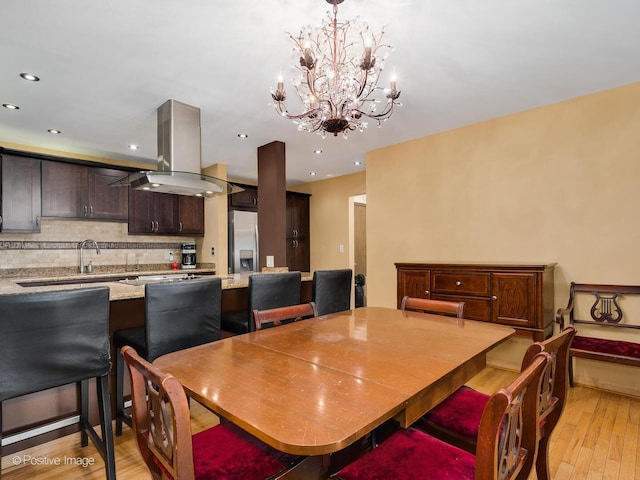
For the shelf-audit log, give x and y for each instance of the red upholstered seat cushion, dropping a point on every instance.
(613, 347)
(412, 454)
(227, 452)
(460, 412)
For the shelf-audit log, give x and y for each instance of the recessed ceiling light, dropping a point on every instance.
(357, 162)
(11, 106)
(313, 174)
(209, 192)
(30, 77)
(198, 194)
(54, 131)
(146, 188)
(155, 184)
(243, 135)
(317, 152)
(133, 147)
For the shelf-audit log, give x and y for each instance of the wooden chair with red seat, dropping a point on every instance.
(457, 419)
(278, 316)
(441, 307)
(162, 425)
(506, 447)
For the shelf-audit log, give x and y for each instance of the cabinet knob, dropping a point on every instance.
(458, 283)
(426, 292)
(494, 298)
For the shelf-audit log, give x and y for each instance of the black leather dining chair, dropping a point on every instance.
(51, 339)
(331, 290)
(266, 291)
(177, 316)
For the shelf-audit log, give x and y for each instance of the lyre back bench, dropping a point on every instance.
(605, 312)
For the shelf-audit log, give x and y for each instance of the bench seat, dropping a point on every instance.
(606, 312)
(626, 352)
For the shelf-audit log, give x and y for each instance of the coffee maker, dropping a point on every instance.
(188, 255)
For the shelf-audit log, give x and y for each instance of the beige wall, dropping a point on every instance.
(329, 212)
(559, 183)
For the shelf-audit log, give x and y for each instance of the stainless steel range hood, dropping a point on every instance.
(178, 170)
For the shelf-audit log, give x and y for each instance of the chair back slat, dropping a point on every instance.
(426, 305)
(278, 316)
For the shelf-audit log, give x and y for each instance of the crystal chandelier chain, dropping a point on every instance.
(339, 91)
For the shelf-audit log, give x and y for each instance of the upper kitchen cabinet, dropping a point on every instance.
(80, 191)
(153, 213)
(298, 251)
(245, 200)
(190, 215)
(20, 199)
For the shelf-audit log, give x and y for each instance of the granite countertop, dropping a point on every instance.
(119, 289)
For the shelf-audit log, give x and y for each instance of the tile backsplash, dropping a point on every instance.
(57, 247)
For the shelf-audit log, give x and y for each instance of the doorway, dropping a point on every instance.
(358, 240)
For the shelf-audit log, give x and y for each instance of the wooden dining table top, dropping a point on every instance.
(315, 386)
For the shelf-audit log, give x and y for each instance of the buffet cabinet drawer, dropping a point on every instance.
(475, 308)
(461, 283)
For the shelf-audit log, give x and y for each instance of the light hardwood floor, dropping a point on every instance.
(598, 437)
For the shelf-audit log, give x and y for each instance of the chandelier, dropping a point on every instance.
(338, 87)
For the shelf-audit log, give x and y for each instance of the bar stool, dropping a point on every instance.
(266, 291)
(177, 316)
(51, 339)
(331, 290)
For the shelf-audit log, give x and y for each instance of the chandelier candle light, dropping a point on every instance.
(338, 90)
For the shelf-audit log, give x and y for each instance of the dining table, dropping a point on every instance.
(318, 385)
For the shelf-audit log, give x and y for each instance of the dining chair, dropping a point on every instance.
(178, 315)
(426, 305)
(506, 448)
(457, 419)
(51, 339)
(162, 425)
(331, 290)
(281, 315)
(266, 290)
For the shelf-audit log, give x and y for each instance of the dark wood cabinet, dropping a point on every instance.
(518, 295)
(298, 252)
(153, 213)
(245, 200)
(80, 191)
(191, 215)
(21, 193)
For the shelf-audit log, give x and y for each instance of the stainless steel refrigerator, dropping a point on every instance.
(243, 241)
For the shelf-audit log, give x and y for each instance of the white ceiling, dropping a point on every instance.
(106, 66)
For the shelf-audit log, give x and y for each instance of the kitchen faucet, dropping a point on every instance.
(82, 245)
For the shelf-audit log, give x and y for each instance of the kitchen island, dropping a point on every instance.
(126, 311)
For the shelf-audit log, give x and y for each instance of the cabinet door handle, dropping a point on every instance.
(458, 283)
(38, 220)
(179, 226)
(91, 210)
(494, 298)
(85, 210)
(0, 220)
(152, 225)
(156, 225)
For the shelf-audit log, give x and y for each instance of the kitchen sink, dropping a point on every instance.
(71, 281)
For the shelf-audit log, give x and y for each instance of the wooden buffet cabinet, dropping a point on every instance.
(519, 295)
